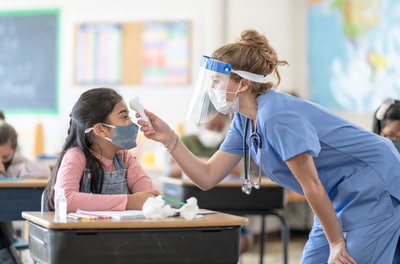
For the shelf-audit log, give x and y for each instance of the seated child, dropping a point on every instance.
(386, 121)
(14, 164)
(95, 168)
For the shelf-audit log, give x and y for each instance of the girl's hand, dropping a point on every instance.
(2, 168)
(338, 254)
(159, 131)
(136, 200)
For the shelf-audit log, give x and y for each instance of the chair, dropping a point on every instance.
(43, 206)
(20, 244)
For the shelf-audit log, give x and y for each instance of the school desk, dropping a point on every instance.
(17, 195)
(228, 197)
(212, 238)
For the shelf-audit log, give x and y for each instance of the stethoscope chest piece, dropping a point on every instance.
(247, 186)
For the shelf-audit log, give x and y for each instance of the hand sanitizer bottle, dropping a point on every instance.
(60, 214)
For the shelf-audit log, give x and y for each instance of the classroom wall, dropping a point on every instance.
(214, 23)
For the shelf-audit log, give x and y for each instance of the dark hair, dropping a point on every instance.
(2, 116)
(388, 111)
(252, 53)
(8, 135)
(93, 106)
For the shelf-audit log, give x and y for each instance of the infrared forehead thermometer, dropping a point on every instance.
(137, 106)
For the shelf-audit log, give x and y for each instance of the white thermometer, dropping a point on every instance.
(137, 106)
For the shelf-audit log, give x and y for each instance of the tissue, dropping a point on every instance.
(155, 208)
(190, 209)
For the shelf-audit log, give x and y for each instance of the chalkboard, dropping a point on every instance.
(29, 61)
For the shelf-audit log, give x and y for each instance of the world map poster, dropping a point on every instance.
(353, 53)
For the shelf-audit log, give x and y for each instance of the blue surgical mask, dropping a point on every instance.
(397, 144)
(123, 136)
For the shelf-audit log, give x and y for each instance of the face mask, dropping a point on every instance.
(210, 139)
(124, 136)
(397, 144)
(218, 99)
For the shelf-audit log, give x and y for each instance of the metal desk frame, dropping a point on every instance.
(270, 199)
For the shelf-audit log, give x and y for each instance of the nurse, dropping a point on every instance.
(349, 176)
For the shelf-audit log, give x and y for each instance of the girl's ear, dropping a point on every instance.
(98, 130)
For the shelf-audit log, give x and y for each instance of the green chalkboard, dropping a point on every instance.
(29, 61)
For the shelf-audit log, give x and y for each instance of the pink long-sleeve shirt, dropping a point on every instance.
(71, 171)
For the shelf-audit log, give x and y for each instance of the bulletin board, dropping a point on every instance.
(29, 61)
(133, 53)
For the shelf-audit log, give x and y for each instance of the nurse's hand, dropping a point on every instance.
(159, 131)
(338, 253)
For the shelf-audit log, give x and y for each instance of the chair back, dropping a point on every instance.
(43, 201)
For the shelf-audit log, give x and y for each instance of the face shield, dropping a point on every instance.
(210, 93)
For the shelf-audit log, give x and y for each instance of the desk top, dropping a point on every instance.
(23, 183)
(218, 219)
(265, 182)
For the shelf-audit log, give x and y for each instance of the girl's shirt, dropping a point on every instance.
(72, 170)
(23, 167)
(359, 170)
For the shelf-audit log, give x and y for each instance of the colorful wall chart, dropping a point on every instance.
(133, 53)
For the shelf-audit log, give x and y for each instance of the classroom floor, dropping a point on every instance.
(272, 252)
(273, 249)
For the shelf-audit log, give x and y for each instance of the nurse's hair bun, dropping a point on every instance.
(380, 114)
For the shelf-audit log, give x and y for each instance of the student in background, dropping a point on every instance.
(13, 164)
(205, 142)
(350, 177)
(95, 169)
(386, 121)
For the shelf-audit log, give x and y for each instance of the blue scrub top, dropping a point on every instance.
(359, 169)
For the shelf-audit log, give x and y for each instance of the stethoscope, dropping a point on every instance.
(248, 184)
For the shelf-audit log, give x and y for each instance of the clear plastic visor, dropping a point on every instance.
(212, 74)
(212, 79)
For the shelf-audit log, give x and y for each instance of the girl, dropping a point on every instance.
(95, 168)
(386, 121)
(13, 164)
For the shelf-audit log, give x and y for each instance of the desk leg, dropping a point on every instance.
(262, 239)
(284, 235)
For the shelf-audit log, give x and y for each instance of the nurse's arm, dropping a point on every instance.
(205, 174)
(303, 168)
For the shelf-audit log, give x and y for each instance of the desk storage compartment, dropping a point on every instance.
(178, 245)
(229, 199)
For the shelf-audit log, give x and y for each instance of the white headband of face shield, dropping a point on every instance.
(253, 77)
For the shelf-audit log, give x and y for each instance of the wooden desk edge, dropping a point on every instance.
(218, 219)
(24, 183)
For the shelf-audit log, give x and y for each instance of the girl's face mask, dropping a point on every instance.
(123, 136)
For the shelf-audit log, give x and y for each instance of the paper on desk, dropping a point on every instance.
(131, 214)
(118, 215)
